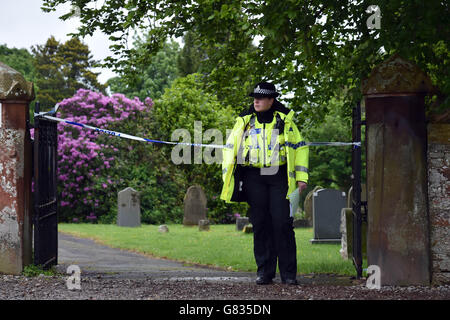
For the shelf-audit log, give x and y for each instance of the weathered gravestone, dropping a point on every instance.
(346, 250)
(203, 225)
(129, 210)
(241, 222)
(248, 228)
(345, 212)
(307, 204)
(163, 228)
(194, 206)
(327, 206)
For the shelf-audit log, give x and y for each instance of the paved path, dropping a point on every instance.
(94, 258)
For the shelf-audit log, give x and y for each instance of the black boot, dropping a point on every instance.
(262, 280)
(292, 282)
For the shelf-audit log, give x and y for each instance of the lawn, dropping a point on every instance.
(222, 246)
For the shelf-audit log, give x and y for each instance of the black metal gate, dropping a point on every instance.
(356, 190)
(45, 218)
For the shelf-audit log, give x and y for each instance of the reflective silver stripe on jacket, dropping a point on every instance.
(301, 168)
(245, 134)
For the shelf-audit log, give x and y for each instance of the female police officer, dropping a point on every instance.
(265, 159)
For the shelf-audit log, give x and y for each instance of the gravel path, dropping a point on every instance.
(113, 274)
(101, 287)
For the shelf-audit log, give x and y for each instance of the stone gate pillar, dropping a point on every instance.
(15, 171)
(398, 224)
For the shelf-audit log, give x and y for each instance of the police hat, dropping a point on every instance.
(264, 90)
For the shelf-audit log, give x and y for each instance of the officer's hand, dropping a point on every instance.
(301, 186)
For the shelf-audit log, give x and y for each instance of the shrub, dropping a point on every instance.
(86, 181)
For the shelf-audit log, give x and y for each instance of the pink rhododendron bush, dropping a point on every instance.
(87, 181)
(94, 166)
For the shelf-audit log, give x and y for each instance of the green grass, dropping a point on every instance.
(34, 271)
(222, 246)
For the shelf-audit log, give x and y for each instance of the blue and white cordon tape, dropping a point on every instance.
(131, 137)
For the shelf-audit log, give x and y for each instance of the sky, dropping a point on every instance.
(23, 24)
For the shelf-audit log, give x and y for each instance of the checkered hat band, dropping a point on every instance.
(263, 91)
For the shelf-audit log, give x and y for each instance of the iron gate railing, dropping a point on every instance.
(356, 190)
(45, 218)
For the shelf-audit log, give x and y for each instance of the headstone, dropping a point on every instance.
(163, 228)
(343, 251)
(307, 204)
(194, 206)
(241, 222)
(248, 228)
(363, 196)
(203, 225)
(349, 234)
(327, 206)
(129, 210)
(347, 225)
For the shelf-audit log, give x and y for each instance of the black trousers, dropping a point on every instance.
(273, 232)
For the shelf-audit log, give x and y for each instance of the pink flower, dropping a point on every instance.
(148, 101)
(80, 155)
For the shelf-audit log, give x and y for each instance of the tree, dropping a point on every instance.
(20, 60)
(62, 69)
(313, 49)
(191, 56)
(76, 61)
(330, 167)
(184, 103)
(149, 79)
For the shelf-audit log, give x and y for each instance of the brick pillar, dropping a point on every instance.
(15, 171)
(398, 223)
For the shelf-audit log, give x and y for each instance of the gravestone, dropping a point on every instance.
(163, 228)
(203, 225)
(327, 205)
(349, 235)
(129, 210)
(346, 250)
(307, 204)
(248, 228)
(194, 206)
(241, 222)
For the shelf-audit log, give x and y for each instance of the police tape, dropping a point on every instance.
(131, 137)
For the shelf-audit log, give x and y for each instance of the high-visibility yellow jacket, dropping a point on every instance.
(263, 145)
